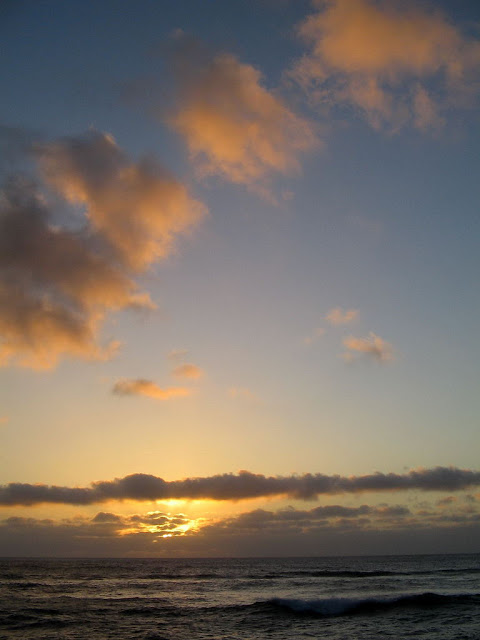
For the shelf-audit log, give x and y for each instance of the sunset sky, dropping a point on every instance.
(239, 277)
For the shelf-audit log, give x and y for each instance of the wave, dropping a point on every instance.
(21, 621)
(327, 573)
(23, 585)
(180, 576)
(347, 573)
(156, 611)
(349, 606)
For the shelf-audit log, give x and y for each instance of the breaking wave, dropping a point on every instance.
(348, 606)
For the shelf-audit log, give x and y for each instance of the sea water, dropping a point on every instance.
(351, 598)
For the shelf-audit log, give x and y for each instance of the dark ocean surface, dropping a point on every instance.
(422, 597)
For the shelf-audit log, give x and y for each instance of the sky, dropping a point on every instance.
(239, 278)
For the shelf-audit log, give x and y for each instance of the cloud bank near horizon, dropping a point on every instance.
(242, 486)
(453, 523)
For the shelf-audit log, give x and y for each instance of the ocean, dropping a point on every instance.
(350, 598)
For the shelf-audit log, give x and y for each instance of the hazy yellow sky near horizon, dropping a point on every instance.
(239, 236)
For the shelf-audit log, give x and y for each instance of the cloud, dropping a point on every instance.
(54, 286)
(60, 275)
(104, 534)
(333, 529)
(394, 62)
(299, 521)
(338, 316)
(241, 486)
(142, 387)
(138, 207)
(242, 393)
(372, 347)
(189, 371)
(317, 333)
(233, 126)
(176, 355)
(103, 516)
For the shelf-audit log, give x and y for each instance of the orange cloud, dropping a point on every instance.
(372, 346)
(233, 126)
(338, 316)
(55, 286)
(36, 332)
(189, 371)
(142, 387)
(138, 207)
(59, 280)
(382, 57)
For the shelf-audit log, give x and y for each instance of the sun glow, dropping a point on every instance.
(168, 525)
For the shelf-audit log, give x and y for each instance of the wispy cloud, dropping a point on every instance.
(188, 371)
(242, 393)
(395, 62)
(233, 126)
(316, 334)
(177, 355)
(241, 486)
(337, 316)
(142, 387)
(60, 276)
(371, 347)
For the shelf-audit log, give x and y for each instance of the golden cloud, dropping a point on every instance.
(36, 332)
(234, 127)
(58, 281)
(395, 62)
(142, 387)
(338, 316)
(189, 371)
(372, 346)
(138, 207)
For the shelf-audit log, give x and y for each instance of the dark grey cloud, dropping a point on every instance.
(241, 486)
(301, 520)
(103, 516)
(106, 534)
(331, 529)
